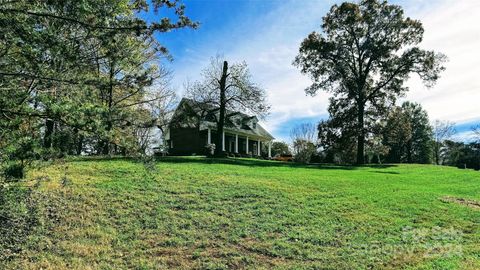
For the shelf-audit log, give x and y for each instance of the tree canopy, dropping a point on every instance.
(363, 56)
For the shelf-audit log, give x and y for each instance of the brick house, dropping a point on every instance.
(193, 126)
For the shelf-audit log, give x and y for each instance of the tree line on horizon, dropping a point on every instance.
(404, 135)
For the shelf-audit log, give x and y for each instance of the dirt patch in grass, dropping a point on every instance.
(469, 203)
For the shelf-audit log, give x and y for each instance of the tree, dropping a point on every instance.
(452, 152)
(228, 89)
(442, 130)
(278, 148)
(408, 134)
(338, 134)
(129, 68)
(470, 157)
(419, 147)
(461, 155)
(304, 131)
(164, 103)
(364, 55)
(476, 133)
(304, 142)
(163, 107)
(397, 134)
(376, 149)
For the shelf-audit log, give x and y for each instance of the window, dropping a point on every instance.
(171, 143)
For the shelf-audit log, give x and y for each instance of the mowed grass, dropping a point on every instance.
(227, 214)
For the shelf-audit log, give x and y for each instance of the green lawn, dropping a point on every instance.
(223, 214)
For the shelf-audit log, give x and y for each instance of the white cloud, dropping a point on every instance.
(453, 28)
(271, 42)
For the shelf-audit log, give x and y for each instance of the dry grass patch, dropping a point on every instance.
(466, 202)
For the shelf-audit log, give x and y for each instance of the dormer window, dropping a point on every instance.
(254, 125)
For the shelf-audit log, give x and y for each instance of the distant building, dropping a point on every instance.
(193, 126)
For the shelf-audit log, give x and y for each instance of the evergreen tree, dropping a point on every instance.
(76, 72)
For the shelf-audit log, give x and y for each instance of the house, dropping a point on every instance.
(193, 126)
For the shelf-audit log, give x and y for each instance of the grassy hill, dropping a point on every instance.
(217, 214)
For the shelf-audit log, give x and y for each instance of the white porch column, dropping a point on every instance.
(209, 136)
(247, 144)
(223, 141)
(236, 143)
(270, 149)
(259, 149)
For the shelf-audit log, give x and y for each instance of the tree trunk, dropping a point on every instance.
(79, 145)
(106, 142)
(409, 152)
(47, 139)
(106, 145)
(221, 120)
(361, 134)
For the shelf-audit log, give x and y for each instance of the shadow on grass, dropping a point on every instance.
(386, 172)
(99, 158)
(267, 163)
(249, 162)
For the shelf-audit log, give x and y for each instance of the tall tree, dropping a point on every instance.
(364, 55)
(228, 88)
(419, 147)
(129, 68)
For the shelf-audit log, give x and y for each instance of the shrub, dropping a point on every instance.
(316, 158)
(24, 149)
(304, 152)
(210, 149)
(14, 171)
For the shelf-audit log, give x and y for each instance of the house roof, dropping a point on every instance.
(190, 113)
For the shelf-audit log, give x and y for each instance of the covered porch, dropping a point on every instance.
(241, 143)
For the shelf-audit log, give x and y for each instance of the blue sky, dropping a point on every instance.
(267, 33)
